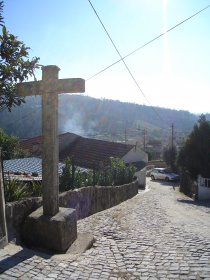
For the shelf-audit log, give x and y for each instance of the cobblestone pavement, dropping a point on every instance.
(158, 234)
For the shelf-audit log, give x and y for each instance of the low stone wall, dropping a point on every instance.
(86, 201)
(90, 200)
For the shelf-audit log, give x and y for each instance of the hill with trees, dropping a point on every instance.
(101, 119)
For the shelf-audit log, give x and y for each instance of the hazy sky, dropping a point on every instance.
(173, 71)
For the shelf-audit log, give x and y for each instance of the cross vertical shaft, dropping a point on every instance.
(54, 231)
(49, 88)
(50, 148)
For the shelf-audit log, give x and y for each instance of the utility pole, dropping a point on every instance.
(144, 136)
(172, 135)
(144, 132)
(125, 135)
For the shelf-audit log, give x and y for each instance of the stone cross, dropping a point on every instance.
(49, 88)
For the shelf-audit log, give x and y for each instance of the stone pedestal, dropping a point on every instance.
(54, 233)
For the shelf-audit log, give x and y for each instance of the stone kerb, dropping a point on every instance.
(86, 201)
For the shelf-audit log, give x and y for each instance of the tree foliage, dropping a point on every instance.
(8, 144)
(15, 66)
(118, 173)
(170, 156)
(1, 11)
(194, 157)
(15, 190)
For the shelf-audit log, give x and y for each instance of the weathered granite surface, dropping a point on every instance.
(55, 233)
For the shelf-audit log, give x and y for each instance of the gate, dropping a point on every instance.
(3, 228)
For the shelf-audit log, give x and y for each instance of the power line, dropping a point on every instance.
(122, 59)
(149, 42)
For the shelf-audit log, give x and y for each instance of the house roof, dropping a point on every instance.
(26, 165)
(90, 153)
(86, 152)
(34, 145)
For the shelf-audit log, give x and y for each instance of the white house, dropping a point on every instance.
(203, 188)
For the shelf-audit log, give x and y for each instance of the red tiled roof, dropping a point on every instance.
(91, 153)
(86, 152)
(27, 144)
(34, 145)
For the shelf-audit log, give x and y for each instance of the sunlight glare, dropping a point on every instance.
(166, 47)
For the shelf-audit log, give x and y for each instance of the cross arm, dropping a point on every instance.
(72, 85)
(29, 88)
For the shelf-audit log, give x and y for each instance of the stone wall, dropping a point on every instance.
(90, 200)
(86, 201)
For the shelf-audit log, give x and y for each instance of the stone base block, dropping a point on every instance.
(55, 233)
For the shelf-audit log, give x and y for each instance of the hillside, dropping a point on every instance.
(100, 118)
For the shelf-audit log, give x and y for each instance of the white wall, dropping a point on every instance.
(203, 188)
(135, 155)
(141, 177)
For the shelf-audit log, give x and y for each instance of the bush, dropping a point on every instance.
(15, 190)
(118, 173)
(73, 177)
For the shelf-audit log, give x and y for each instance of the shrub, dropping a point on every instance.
(14, 190)
(118, 173)
(73, 177)
(35, 188)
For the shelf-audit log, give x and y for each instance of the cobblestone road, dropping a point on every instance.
(159, 234)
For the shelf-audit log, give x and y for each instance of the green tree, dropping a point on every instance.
(170, 156)
(9, 145)
(194, 157)
(15, 66)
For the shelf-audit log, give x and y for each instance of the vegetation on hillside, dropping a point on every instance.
(100, 119)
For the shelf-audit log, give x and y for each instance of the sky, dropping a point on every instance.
(172, 72)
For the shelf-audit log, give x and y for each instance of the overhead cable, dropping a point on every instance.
(149, 42)
(122, 59)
